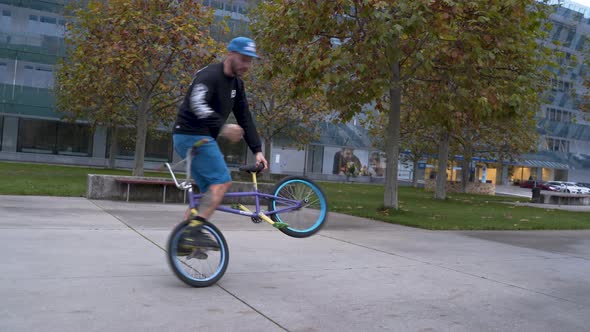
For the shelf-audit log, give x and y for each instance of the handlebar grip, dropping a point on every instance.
(260, 167)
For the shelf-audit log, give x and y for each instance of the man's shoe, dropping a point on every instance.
(198, 239)
(198, 254)
(194, 237)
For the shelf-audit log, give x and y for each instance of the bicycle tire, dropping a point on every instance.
(182, 267)
(316, 209)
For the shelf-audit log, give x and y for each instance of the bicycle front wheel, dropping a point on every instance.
(198, 267)
(308, 219)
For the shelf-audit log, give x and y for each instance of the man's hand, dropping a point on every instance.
(232, 132)
(260, 159)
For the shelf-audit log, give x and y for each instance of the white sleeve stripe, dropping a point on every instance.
(198, 103)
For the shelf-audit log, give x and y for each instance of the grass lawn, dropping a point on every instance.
(51, 180)
(458, 212)
(417, 207)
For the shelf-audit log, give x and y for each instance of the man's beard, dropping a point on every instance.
(234, 70)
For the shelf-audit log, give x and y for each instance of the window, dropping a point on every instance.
(564, 58)
(43, 77)
(54, 137)
(36, 136)
(4, 76)
(580, 44)
(1, 130)
(315, 158)
(560, 86)
(158, 146)
(33, 18)
(6, 25)
(38, 76)
(74, 139)
(234, 154)
(557, 144)
(49, 20)
(554, 114)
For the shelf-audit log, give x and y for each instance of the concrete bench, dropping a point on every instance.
(132, 188)
(553, 197)
(149, 182)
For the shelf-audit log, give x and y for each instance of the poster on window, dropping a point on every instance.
(345, 161)
(377, 162)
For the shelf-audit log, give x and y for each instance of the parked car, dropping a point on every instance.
(554, 185)
(572, 187)
(550, 186)
(529, 184)
(539, 184)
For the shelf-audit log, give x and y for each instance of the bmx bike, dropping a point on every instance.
(296, 206)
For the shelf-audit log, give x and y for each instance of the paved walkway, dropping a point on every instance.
(69, 264)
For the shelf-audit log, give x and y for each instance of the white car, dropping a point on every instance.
(572, 187)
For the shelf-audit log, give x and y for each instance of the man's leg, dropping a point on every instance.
(211, 200)
(212, 176)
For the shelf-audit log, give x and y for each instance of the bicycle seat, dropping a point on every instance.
(252, 168)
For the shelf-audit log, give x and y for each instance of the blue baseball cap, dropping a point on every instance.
(243, 45)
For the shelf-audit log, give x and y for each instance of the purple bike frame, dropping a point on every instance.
(290, 203)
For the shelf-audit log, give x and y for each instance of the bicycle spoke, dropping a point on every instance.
(305, 220)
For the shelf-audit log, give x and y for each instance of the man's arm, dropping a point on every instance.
(200, 103)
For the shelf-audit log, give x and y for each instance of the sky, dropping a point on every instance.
(581, 2)
(578, 5)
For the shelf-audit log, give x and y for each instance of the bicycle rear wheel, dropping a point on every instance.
(197, 268)
(307, 220)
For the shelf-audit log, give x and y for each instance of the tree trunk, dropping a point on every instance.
(415, 171)
(140, 139)
(267, 155)
(441, 174)
(465, 171)
(113, 149)
(390, 199)
(466, 166)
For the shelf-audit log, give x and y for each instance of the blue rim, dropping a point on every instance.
(322, 204)
(177, 261)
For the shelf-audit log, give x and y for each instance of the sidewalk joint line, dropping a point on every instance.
(216, 284)
(458, 271)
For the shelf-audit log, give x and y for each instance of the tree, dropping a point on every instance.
(129, 63)
(495, 140)
(416, 135)
(478, 57)
(357, 52)
(277, 114)
(487, 68)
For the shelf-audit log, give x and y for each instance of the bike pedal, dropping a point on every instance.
(195, 223)
(280, 225)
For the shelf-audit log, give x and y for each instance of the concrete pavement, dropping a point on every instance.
(70, 264)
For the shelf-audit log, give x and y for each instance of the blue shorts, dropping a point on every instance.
(208, 166)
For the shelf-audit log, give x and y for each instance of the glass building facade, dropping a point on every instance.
(562, 122)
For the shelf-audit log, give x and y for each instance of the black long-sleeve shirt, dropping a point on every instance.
(208, 102)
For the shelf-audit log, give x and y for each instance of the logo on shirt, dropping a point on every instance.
(233, 93)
